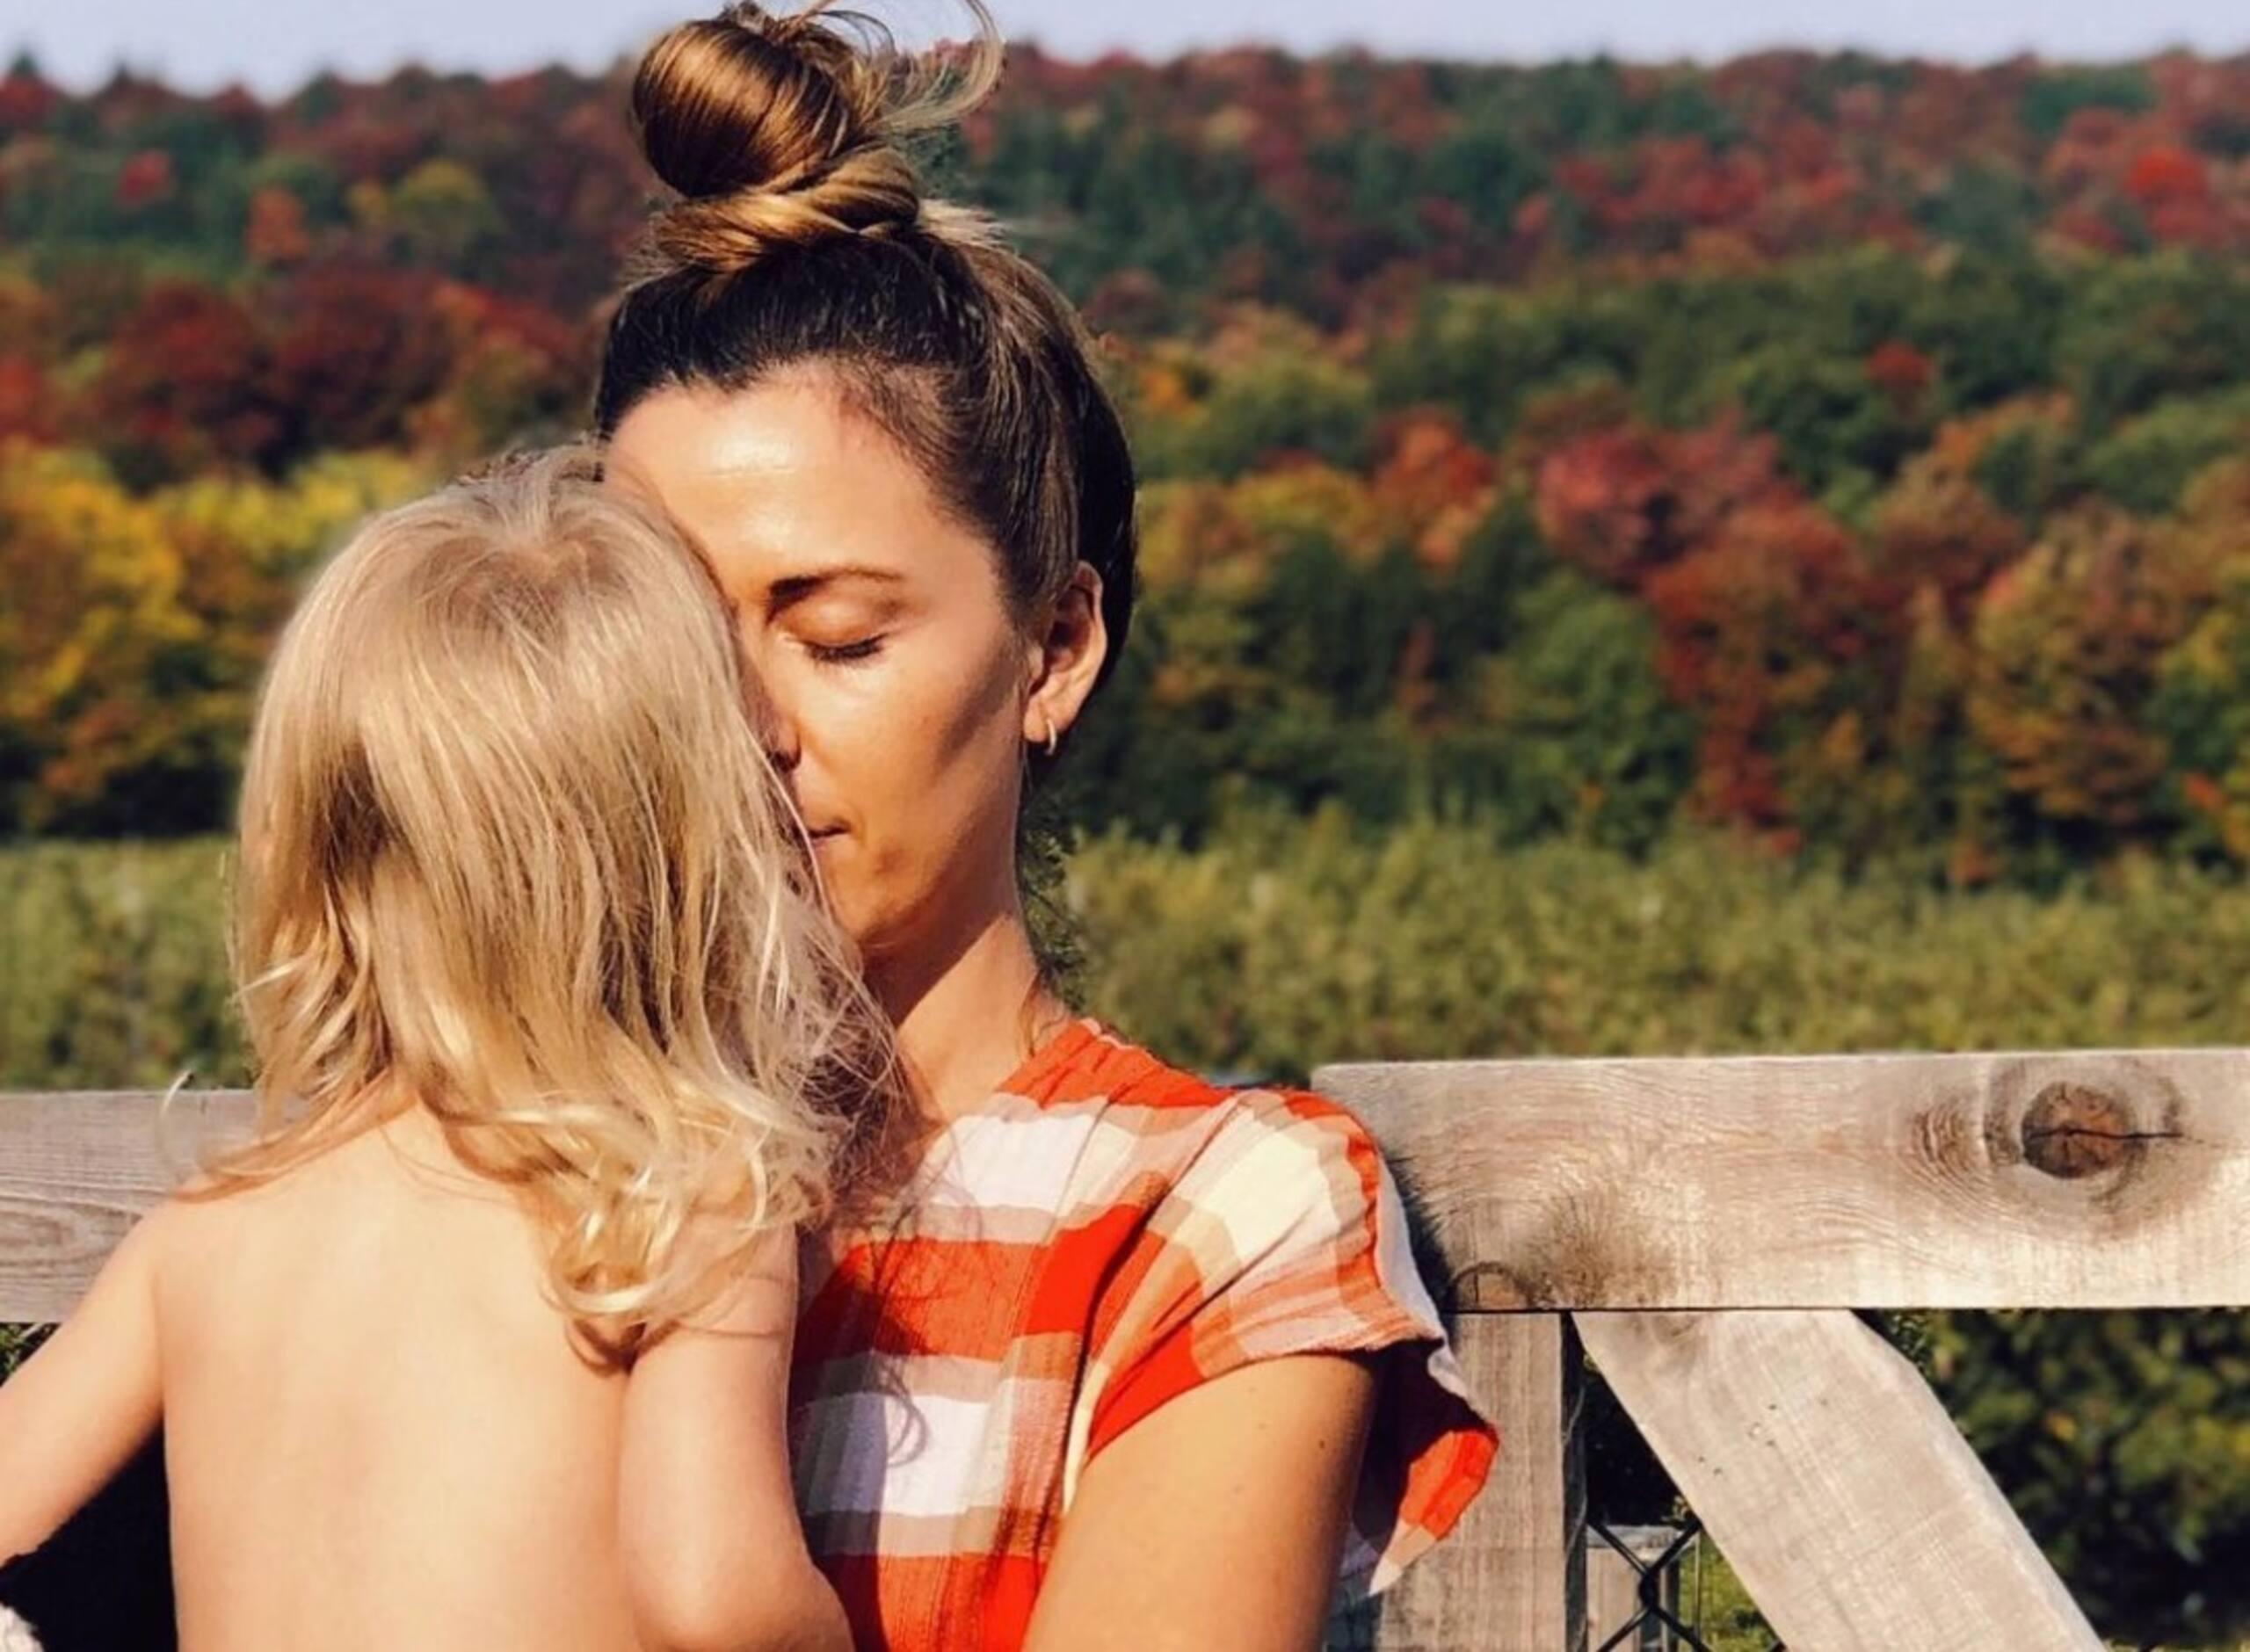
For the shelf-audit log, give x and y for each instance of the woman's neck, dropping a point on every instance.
(966, 1021)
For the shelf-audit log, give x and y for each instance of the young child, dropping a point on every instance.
(482, 1342)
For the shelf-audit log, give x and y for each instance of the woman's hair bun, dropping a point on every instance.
(777, 130)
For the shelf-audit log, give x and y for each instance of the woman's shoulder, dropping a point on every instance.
(1090, 1069)
(1159, 1132)
(1092, 1064)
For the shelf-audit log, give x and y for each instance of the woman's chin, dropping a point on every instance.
(849, 903)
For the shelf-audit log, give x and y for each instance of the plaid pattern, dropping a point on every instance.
(1105, 1234)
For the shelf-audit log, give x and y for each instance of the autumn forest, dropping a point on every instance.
(1852, 453)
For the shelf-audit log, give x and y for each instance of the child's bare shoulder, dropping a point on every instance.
(185, 1238)
(208, 1216)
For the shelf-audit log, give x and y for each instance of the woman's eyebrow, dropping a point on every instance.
(783, 594)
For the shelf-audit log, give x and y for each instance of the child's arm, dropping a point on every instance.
(715, 1555)
(79, 1407)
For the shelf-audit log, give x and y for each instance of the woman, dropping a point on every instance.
(1130, 1361)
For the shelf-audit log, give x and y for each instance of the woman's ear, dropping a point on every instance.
(1068, 657)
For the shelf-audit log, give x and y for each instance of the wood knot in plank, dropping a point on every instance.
(1582, 1250)
(2073, 1128)
(2071, 1135)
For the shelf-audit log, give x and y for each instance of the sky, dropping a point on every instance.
(275, 45)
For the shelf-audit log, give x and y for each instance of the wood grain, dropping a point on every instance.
(76, 1168)
(1513, 1573)
(1829, 1475)
(2080, 1179)
(1612, 1596)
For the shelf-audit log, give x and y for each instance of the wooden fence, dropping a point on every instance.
(1702, 1229)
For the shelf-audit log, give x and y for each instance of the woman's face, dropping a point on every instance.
(901, 689)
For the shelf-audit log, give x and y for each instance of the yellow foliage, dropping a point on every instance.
(443, 210)
(1311, 502)
(94, 584)
(2067, 644)
(136, 627)
(284, 528)
(1162, 390)
(370, 204)
(1225, 538)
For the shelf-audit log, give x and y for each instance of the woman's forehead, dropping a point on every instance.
(789, 439)
(780, 483)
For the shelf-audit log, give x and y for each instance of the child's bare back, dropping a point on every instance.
(376, 1432)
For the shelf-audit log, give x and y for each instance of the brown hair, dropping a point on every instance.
(799, 236)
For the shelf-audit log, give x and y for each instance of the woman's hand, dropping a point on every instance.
(714, 1554)
(1217, 1520)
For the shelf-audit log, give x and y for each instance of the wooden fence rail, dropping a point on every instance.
(1702, 1229)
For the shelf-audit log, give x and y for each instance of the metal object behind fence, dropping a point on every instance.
(1634, 1588)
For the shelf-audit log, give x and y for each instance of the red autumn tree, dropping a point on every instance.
(1901, 372)
(1435, 484)
(1623, 502)
(144, 177)
(2165, 173)
(1757, 628)
(26, 401)
(183, 385)
(356, 350)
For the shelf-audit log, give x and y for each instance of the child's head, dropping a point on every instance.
(512, 850)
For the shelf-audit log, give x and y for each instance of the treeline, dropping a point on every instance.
(1326, 186)
(1923, 530)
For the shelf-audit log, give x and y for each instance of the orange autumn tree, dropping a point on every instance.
(1938, 528)
(2070, 642)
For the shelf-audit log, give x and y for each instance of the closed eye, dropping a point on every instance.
(843, 653)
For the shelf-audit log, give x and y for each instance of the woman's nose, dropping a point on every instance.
(779, 733)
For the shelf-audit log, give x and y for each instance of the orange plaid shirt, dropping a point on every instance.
(1105, 1234)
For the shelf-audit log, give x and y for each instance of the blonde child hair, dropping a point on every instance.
(512, 850)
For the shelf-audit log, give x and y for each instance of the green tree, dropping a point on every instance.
(2140, 330)
(2057, 94)
(2145, 463)
(1576, 736)
(443, 217)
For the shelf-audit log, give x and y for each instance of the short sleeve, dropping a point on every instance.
(1284, 1234)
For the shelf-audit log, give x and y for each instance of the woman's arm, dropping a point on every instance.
(1218, 1519)
(78, 1409)
(714, 1552)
